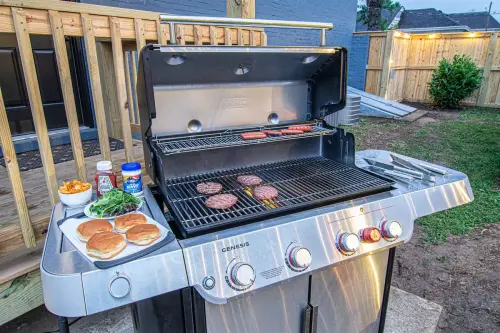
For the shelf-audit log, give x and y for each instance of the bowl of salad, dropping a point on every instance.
(113, 204)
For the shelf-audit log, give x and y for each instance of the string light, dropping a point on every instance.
(472, 34)
(397, 34)
(406, 35)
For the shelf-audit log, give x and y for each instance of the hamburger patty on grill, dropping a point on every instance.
(265, 192)
(209, 188)
(221, 201)
(249, 180)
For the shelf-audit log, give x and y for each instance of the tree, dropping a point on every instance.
(371, 15)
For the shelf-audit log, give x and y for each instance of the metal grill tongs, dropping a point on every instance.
(405, 170)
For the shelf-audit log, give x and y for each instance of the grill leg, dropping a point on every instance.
(62, 324)
(387, 289)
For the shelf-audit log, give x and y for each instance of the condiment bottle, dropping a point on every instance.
(132, 178)
(105, 178)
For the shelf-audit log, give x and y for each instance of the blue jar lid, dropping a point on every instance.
(132, 166)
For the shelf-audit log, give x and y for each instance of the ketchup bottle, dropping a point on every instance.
(105, 179)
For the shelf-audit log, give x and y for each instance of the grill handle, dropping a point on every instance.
(243, 22)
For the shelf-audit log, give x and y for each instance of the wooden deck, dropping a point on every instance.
(38, 200)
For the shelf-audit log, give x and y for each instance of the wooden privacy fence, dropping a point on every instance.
(112, 38)
(400, 64)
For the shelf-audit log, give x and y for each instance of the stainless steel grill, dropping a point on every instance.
(231, 137)
(300, 182)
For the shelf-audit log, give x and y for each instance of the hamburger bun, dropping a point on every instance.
(105, 245)
(125, 222)
(143, 234)
(88, 229)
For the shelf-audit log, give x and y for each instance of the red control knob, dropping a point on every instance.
(370, 235)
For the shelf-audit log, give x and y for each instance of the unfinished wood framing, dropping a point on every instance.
(67, 92)
(20, 295)
(128, 82)
(121, 87)
(95, 84)
(400, 65)
(9, 155)
(35, 99)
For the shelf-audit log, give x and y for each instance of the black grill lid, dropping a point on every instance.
(189, 80)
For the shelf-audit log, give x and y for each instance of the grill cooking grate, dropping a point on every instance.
(300, 182)
(226, 138)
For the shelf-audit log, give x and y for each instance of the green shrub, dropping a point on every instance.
(454, 81)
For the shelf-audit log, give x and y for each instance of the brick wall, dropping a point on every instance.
(342, 13)
(358, 58)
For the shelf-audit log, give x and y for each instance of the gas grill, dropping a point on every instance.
(305, 261)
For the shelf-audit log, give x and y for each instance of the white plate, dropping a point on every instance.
(86, 211)
(69, 230)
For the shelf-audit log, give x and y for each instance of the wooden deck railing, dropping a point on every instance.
(125, 32)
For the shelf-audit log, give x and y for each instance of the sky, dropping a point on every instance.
(453, 6)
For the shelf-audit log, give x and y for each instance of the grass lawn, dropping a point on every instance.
(468, 141)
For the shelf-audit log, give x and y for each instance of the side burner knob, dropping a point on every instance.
(348, 242)
(300, 257)
(370, 235)
(242, 275)
(391, 230)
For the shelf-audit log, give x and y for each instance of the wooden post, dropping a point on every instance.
(9, 154)
(134, 83)
(116, 44)
(95, 83)
(179, 34)
(386, 65)
(213, 35)
(162, 39)
(128, 82)
(140, 40)
(67, 91)
(263, 38)
(241, 8)
(241, 40)
(198, 35)
(228, 37)
(483, 91)
(253, 41)
(30, 76)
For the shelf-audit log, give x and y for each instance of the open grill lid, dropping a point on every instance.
(192, 89)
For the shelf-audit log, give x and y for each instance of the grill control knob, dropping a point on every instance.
(300, 257)
(391, 230)
(348, 242)
(242, 274)
(119, 286)
(370, 235)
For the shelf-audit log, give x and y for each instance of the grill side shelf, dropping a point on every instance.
(302, 184)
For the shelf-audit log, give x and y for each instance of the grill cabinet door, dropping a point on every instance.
(349, 296)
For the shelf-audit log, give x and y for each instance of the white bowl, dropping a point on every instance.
(76, 199)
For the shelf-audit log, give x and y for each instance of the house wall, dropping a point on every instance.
(358, 58)
(342, 13)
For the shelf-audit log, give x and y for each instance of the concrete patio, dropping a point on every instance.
(407, 313)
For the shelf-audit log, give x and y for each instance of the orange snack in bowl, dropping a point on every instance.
(73, 187)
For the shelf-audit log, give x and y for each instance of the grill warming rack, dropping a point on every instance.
(301, 182)
(229, 137)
